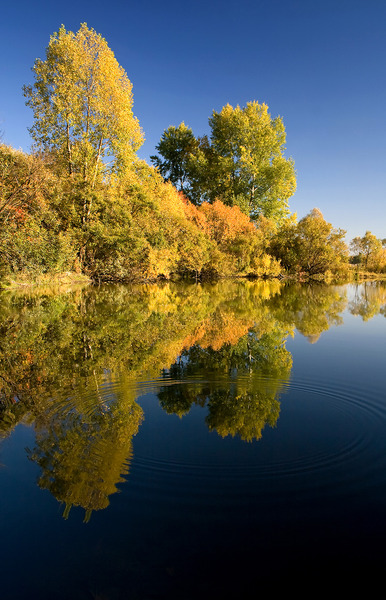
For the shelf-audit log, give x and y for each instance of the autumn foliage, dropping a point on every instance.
(84, 202)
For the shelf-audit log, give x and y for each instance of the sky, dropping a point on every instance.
(319, 64)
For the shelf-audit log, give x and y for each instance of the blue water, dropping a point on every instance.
(202, 515)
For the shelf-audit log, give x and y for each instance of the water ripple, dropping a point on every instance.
(353, 421)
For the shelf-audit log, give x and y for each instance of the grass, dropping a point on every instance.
(47, 280)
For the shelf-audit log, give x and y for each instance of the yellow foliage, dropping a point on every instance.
(82, 102)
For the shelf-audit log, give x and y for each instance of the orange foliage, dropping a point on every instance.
(25, 185)
(218, 330)
(226, 222)
(193, 214)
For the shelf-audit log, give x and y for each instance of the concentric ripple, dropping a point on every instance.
(325, 431)
(322, 427)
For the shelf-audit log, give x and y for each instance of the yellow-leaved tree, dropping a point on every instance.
(82, 103)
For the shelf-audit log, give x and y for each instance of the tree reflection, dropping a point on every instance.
(311, 309)
(241, 383)
(84, 446)
(71, 365)
(369, 300)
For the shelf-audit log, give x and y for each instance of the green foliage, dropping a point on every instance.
(242, 164)
(311, 246)
(176, 146)
(250, 144)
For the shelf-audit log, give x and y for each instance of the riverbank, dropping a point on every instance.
(68, 279)
(51, 280)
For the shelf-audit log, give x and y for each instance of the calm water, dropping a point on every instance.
(193, 441)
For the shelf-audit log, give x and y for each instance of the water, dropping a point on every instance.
(183, 441)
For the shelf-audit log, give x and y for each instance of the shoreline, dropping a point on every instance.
(71, 279)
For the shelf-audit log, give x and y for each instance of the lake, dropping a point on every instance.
(193, 441)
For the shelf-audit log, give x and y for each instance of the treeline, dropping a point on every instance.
(137, 227)
(83, 202)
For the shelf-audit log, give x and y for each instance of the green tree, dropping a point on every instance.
(176, 146)
(321, 246)
(251, 145)
(241, 163)
(312, 246)
(251, 170)
(205, 185)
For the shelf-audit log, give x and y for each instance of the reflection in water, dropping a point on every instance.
(369, 300)
(312, 309)
(72, 365)
(84, 447)
(240, 385)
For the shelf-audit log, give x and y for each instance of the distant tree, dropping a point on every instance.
(321, 246)
(366, 246)
(312, 245)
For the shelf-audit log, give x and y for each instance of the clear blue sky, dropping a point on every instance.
(319, 64)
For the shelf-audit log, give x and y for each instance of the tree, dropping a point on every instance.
(205, 181)
(312, 246)
(366, 246)
(82, 104)
(30, 239)
(251, 144)
(242, 163)
(176, 146)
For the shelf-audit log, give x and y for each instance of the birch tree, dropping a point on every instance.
(83, 108)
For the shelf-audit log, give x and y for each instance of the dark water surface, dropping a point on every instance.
(193, 441)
